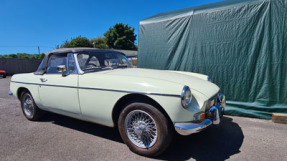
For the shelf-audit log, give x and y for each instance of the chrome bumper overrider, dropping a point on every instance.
(194, 127)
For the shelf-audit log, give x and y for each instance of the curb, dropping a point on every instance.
(280, 118)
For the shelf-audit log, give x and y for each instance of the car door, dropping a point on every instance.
(57, 91)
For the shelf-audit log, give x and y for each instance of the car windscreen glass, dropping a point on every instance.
(54, 62)
(97, 61)
(41, 65)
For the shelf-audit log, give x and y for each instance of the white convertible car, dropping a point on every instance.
(101, 86)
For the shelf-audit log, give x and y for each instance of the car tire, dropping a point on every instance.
(144, 129)
(4, 75)
(29, 107)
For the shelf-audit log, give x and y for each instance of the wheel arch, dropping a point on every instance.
(20, 90)
(130, 98)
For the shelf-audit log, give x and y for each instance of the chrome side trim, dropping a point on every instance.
(101, 89)
(10, 93)
(122, 91)
(190, 128)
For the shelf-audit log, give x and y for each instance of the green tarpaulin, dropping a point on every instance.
(241, 45)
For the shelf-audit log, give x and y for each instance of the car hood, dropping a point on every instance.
(195, 84)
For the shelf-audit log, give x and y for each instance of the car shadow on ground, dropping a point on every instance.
(83, 126)
(215, 143)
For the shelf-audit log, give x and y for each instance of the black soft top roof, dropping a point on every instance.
(68, 50)
(77, 50)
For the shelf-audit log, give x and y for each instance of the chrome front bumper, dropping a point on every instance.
(190, 128)
(194, 127)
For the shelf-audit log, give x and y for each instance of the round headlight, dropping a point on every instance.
(186, 97)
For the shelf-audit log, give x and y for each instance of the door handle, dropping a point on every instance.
(43, 79)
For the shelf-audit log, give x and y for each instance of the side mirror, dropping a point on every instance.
(62, 69)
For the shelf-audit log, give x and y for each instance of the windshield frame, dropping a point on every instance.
(118, 54)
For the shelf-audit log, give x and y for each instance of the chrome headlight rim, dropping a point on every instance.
(186, 101)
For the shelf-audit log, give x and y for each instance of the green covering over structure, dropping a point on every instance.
(241, 45)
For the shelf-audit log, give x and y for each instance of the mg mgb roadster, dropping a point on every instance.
(101, 86)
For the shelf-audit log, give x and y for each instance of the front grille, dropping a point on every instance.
(211, 102)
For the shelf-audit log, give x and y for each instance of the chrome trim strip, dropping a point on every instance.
(101, 89)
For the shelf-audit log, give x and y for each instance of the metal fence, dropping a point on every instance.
(14, 66)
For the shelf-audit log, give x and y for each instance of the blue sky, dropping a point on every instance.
(26, 24)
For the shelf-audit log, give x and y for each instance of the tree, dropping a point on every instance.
(12, 56)
(80, 42)
(24, 56)
(66, 44)
(121, 36)
(41, 56)
(99, 42)
(77, 42)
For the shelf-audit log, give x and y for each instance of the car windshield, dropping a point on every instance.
(97, 61)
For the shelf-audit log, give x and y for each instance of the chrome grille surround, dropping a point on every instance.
(211, 102)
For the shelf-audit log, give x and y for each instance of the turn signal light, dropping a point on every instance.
(199, 117)
(202, 116)
(209, 114)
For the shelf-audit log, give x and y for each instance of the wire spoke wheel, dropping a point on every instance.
(28, 106)
(141, 129)
(144, 129)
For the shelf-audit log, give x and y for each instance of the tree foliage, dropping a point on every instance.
(99, 42)
(66, 44)
(24, 56)
(121, 36)
(41, 56)
(77, 42)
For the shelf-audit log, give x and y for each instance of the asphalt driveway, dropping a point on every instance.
(58, 138)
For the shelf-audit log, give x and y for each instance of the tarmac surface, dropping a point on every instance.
(59, 138)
